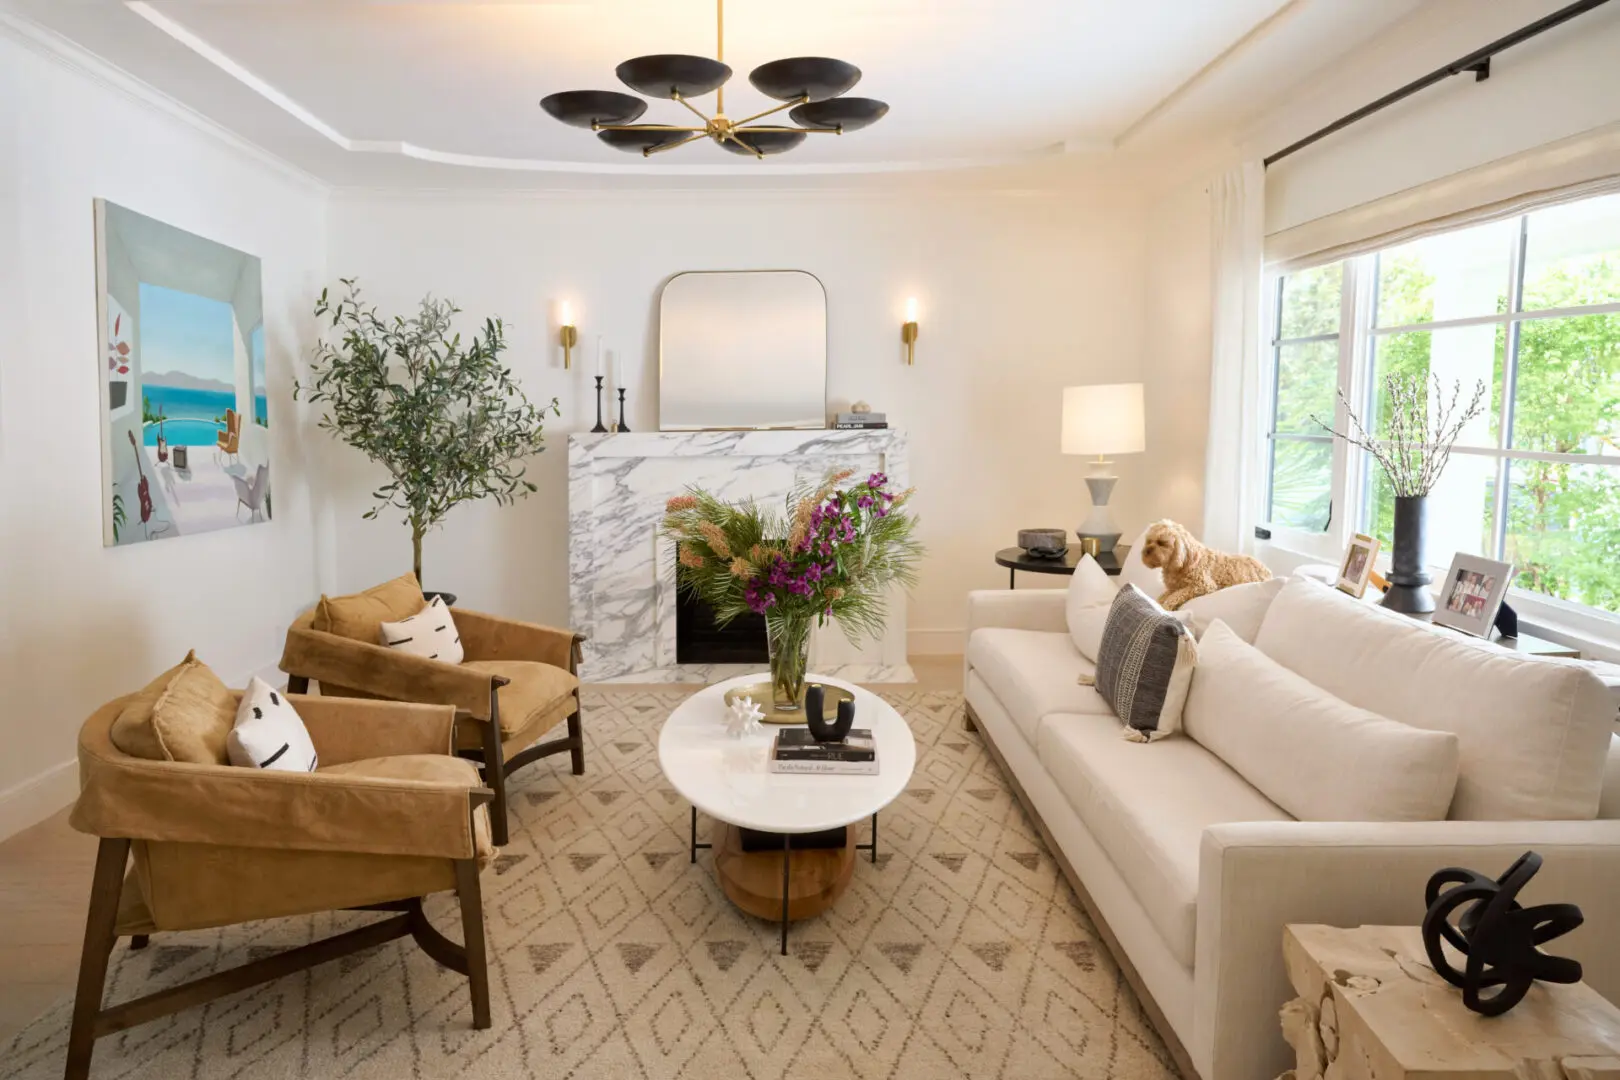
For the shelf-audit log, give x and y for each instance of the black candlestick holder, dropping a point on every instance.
(622, 425)
(600, 427)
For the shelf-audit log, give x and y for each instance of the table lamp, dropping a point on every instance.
(1102, 420)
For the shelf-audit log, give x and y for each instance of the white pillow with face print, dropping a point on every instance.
(269, 733)
(430, 633)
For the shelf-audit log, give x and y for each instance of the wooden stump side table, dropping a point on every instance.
(1370, 1006)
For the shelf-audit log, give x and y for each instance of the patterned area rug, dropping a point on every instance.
(962, 953)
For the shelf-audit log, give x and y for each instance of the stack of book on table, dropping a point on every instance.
(860, 421)
(795, 751)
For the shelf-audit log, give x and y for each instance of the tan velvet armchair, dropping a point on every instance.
(388, 818)
(518, 681)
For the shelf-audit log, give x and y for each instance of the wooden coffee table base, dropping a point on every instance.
(753, 879)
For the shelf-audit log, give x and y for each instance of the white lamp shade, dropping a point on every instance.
(1103, 419)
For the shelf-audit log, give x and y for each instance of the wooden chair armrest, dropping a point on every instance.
(491, 637)
(350, 729)
(384, 672)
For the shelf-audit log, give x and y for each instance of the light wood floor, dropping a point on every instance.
(45, 890)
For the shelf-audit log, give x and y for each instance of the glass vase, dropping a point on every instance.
(789, 641)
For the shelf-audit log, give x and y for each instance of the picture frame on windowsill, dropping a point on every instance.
(1471, 593)
(1356, 568)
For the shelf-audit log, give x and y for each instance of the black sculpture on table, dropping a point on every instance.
(822, 729)
(1497, 936)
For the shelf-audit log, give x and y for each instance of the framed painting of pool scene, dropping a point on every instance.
(185, 418)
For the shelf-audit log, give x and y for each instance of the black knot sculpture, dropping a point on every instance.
(822, 729)
(1499, 939)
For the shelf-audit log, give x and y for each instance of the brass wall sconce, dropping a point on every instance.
(569, 335)
(908, 331)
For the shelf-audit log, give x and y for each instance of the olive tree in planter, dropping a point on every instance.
(444, 418)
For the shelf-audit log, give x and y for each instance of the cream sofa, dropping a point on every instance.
(1191, 873)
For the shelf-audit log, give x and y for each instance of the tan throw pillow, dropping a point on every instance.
(194, 716)
(132, 730)
(360, 615)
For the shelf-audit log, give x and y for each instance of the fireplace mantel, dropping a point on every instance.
(622, 573)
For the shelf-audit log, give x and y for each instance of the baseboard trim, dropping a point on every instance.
(32, 801)
(1155, 1015)
(936, 642)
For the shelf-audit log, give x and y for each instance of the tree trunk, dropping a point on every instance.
(416, 552)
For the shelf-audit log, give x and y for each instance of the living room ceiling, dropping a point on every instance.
(417, 91)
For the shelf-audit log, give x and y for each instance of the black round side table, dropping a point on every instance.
(1016, 559)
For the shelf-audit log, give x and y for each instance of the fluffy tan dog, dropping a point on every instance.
(1191, 569)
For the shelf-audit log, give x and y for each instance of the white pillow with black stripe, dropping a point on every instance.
(1145, 665)
(269, 734)
(431, 633)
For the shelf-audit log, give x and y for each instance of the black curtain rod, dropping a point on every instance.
(1478, 62)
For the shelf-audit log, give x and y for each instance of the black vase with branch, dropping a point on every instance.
(1422, 427)
(443, 416)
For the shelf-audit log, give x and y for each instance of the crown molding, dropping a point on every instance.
(52, 46)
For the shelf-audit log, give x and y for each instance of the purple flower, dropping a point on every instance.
(876, 480)
(864, 502)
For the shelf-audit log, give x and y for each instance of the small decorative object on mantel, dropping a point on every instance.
(1471, 594)
(1044, 543)
(743, 717)
(860, 418)
(1413, 446)
(833, 555)
(822, 729)
(1357, 567)
(621, 425)
(1497, 937)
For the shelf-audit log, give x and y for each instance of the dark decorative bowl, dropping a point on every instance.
(1044, 543)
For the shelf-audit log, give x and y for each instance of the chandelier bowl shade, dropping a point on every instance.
(844, 113)
(587, 108)
(640, 139)
(670, 75)
(764, 142)
(816, 78)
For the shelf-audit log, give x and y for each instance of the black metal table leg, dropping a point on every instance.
(787, 855)
(695, 844)
(872, 847)
(1012, 579)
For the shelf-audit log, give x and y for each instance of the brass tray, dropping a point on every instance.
(763, 697)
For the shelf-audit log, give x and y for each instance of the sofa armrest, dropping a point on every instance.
(1018, 609)
(1256, 877)
(350, 729)
(490, 637)
(386, 673)
(427, 814)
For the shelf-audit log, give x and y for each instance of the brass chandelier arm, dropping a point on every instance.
(699, 113)
(645, 127)
(759, 115)
(673, 145)
(732, 135)
(807, 131)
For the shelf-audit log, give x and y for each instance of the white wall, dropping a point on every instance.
(85, 623)
(1559, 84)
(1020, 295)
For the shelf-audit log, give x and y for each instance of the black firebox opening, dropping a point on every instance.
(699, 640)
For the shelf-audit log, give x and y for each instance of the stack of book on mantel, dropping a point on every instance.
(796, 751)
(860, 421)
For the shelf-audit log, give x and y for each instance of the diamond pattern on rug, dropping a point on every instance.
(960, 953)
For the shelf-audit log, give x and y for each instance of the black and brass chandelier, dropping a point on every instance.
(811, 86)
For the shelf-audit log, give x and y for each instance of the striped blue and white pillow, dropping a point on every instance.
(430, 633)
(269, 733)
(1145, 665)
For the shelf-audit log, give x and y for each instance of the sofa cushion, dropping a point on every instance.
(1148, 807)
(1241, 607)
(1319, 758)
(1091, 594)
(430, 634)
(1032, 673)
(533, 689)
(1533, 733)
(1145, 665)
(269, 733)
(132, 731)
(1133, 571)
(360, 615)
(194, 716)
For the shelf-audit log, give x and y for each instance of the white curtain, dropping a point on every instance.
(1232, 456)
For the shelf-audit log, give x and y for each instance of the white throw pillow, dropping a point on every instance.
(1241, 607)
(1533, 732)
(1319, 758)
(269, 734)
(1134, 572)
(430, 633)
(1091, 594)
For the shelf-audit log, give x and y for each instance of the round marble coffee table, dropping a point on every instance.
(730, 780)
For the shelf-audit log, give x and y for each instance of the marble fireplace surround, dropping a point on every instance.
(622, 573)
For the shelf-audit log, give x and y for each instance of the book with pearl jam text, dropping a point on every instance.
(795, 750)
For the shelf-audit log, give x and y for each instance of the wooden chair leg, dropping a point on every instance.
(139, 941)
(100, 932)
(576, 732)
(495, 769)
(471, 897)
(298, 684)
